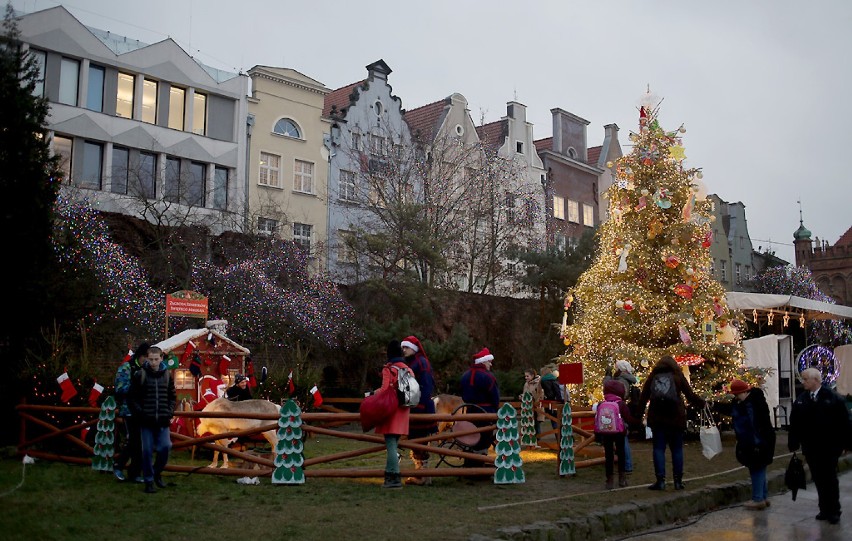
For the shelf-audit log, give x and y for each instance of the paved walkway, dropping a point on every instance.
(785, 520)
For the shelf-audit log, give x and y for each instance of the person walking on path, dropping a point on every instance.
(819, 423)
(153, 404)
(396, 425)
(667, 417)
(755, 438)
(415, 357)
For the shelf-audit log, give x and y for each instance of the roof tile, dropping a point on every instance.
(339, 99)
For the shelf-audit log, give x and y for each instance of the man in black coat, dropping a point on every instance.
(820, 424)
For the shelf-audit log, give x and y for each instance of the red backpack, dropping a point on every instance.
(608, 419)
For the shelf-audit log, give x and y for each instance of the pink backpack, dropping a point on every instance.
(608, 419)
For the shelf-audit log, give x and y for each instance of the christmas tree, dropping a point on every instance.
(528, 436)
(649, 292)
(566, 443)
(508, 462)
(104, 450)
(289, 458)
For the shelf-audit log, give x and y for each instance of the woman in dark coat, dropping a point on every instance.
(664, 389)
(755, 438)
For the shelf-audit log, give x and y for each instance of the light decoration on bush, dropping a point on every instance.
(821, 358)
(666, 277)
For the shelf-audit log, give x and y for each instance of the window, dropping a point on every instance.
(95, 93)
(270, 170)
(120, 162)
(184, 379)
(748, 273)
(345, 251)
(302, 236)
(723, 270)
(348, 190)
(379, 108)
(303, 177)
(149, 101)
(93, 156)
(146, 178)
(177, 101)
(377, 144)
(69, 76)
(39, 58)
(199, 114)
(572, 153)
(172, 188)
(63, 147)
(510, 207)
(124, 95)
(356, 141)
(220, 188)
(266, 226)
(713, 267)
(519, 147)
(287, 127)
(195, 186)
(559, 241)
(573, 211)
(588, 215)
(738, 271)
(558, 207)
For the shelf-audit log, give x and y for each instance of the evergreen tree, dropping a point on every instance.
(649, 292)
(29, 181)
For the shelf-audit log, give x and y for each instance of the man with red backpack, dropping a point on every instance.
(611, 419)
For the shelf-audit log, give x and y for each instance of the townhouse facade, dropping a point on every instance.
(367, 133)
(141, 129)
(830, 264)
(733, 261)
(288, 160)
(576, 177)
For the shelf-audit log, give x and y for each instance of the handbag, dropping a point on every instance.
(711, 440)
(794, 477)
(377, 408)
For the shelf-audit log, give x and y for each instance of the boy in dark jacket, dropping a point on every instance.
(153, 405)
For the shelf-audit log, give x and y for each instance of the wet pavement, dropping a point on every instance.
(784, 520)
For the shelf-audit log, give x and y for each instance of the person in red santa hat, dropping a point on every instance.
(479, 387)
(415, 357)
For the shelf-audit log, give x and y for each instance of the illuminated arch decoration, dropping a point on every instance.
(821, 358)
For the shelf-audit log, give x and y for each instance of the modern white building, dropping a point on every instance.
(143, 130)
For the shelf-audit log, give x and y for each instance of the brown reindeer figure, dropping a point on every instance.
(224, 424)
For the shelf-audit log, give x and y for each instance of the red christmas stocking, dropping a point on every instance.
(68, 390)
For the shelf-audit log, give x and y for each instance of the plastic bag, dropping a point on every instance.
(711, 440)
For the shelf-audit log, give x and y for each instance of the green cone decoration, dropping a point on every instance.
(566, 443)
(508, 462)
(104, 449)
(528, 437)
(289, 460)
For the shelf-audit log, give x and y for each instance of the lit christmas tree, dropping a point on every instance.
(649, 292)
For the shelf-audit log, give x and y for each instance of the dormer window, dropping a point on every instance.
(519, 147)
(287, 128)
(572, 153)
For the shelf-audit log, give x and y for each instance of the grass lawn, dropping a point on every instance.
(66, 502)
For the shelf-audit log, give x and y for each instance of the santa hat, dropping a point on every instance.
(483, 356)
(413, 343)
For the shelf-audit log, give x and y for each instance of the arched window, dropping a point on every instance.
(287, 127)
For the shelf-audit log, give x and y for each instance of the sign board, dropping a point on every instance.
(187, 304)
(571, 373)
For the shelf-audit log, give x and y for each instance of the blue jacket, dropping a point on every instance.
(422, 369)
(479, 386)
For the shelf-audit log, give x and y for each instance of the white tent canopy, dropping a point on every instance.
(812, 309)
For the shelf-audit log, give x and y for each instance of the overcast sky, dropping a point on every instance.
(764, 87)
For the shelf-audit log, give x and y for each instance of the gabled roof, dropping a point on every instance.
(493, 134)
(845, 239)
(543, 144)
(339, 99)
(427, 119)
(182, 338)
(594, 155)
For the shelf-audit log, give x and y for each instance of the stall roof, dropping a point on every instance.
(174, 342)
(811, 308)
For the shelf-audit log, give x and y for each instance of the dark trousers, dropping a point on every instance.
(612, 442)
(130, 449)
(824, 474)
